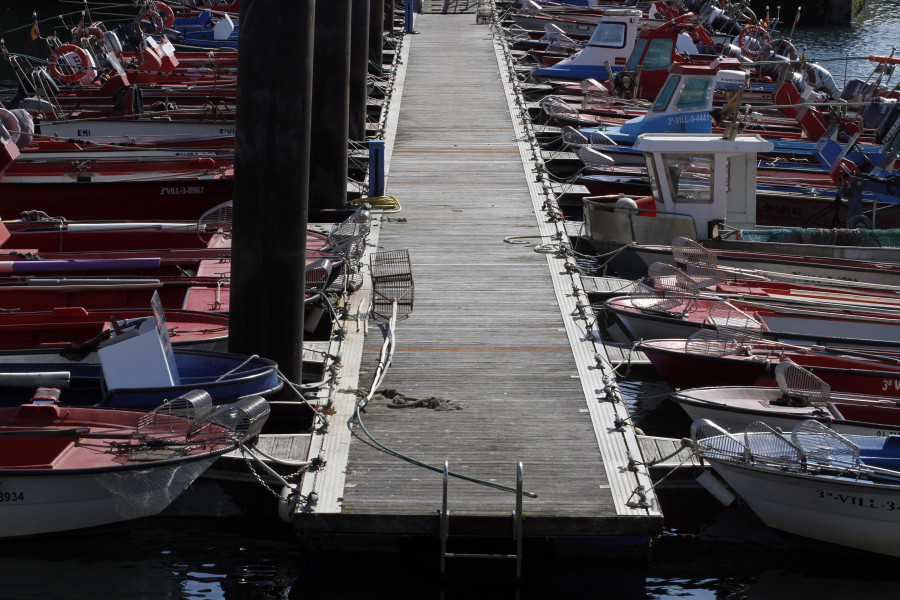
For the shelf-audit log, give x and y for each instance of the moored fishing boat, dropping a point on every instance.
(70, 468)
(723, 360)
(811, 482)
(799, 395)
(136, 367)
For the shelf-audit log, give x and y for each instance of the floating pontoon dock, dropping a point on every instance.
(499, 361)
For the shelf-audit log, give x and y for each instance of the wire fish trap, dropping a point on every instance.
(800, 387)
(348, 239)
(218, 216)
(647, 298)
(186, 410)
(668, 278)
(193, 415)
(709, 342)
(572, 137)
(592, 158)
(730, 320)
(686, 250)
(392, 284)
(244, 417)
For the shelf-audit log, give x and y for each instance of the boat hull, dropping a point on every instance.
(735, 408)
(226, 377)
(682, 370)
(860, 515)
(43, 502)
(170, 198)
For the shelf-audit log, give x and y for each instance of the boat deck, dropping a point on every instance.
(498, 362)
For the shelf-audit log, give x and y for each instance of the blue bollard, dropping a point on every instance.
(376, 168)
(409, 14)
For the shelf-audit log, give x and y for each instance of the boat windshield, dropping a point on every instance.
(636, 54)
(609, 35)
(658, 55)
(694, 94)
(690, 178)
(662, 100)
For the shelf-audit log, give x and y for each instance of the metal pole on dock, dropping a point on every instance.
(359, 70)
(376, 33)
(271, 182)
(331, 107)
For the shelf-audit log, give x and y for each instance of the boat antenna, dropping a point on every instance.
(87, 10)
(796, 20)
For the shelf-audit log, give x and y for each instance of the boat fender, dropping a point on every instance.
(715, 487)
(70, 53)
(10, 124)
(26, 127)
(287, 503)
(626, 205)
(732, 51)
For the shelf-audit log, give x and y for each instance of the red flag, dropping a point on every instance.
(35, 34)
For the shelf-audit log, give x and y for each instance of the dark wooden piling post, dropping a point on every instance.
(376, 32)
(389, 15)
(331, 106)
(359, 70)
(271, 183)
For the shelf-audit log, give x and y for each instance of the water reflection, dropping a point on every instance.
(167, 557)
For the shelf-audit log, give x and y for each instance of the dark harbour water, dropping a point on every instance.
(247, 552)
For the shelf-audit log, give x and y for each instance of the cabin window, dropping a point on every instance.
(636, 54)
(659, 55)
(690, 178)
(662, 99)
(609, 35)
(694, 94)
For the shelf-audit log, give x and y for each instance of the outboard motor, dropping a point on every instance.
(889, 125)
(856, 89)
(876, 112)
(724, 24)
(821, 80)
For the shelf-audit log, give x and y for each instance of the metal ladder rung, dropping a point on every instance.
(517, 528)
(471, 555)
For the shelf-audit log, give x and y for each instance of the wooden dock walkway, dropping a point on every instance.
(497, 363)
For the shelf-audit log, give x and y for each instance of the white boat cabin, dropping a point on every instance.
(699, 184)
(609, 46)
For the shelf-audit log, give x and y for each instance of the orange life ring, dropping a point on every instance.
(77, 71)
(166, 12)
(751, 39)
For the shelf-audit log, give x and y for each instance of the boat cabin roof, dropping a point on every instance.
(704, 144)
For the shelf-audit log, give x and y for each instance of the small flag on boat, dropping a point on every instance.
(765, 22)
(34, 34)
